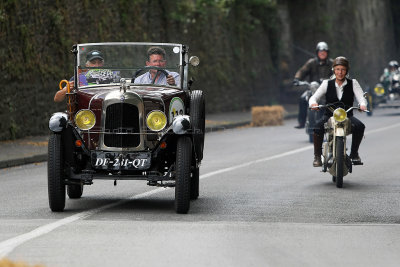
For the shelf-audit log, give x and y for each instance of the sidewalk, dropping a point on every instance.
(34, 149)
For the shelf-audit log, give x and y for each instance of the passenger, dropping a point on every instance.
(93, 59)
(156, 58)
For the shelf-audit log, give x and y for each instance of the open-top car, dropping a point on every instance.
(127, 119)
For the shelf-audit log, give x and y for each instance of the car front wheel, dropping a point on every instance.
(182, 178)
(55, 173)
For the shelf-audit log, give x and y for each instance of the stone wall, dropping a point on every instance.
(249, 50)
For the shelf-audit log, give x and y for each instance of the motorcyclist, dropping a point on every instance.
(386, 78)
(342, 89)
(317, 69)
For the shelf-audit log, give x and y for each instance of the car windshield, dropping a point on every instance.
(138, 63)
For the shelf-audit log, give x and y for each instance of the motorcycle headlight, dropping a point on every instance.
(156, 121)
(85, 119)
(379, 90)
(339, 114)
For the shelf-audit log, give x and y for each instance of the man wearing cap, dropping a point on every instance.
(93, 59)
(156, 58)
(317, 69)
(341, 90)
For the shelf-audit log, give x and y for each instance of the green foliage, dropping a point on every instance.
(235, 40)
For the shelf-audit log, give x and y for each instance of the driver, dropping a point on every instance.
(342, 89)
(156, 58)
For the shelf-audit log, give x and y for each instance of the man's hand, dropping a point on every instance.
(314, 106)
(363, 108)
(170, 80)
(60, 95)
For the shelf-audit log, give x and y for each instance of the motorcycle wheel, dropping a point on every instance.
(339, 161)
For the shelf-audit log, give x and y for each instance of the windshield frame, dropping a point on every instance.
(182, 66)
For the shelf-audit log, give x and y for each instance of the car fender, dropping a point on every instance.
(58, 122)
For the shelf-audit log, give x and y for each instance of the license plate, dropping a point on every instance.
(118, 161)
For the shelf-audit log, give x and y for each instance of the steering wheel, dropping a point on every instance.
(146, 68)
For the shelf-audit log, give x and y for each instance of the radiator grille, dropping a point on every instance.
(122, 126)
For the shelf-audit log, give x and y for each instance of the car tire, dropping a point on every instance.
(182, 178)
(75, 191)
(194, 184)
(197, 118)
(55, 173)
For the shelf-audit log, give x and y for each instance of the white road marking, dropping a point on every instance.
(9, 245)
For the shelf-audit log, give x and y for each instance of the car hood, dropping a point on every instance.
(94, 96)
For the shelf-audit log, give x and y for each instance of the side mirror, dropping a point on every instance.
(194, 61)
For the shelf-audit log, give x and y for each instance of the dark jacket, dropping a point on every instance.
(315, 70)
(347, 98)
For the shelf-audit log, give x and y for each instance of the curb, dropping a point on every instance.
(208, 129)
(23, 161)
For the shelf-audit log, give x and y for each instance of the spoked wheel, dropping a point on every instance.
(75, 190)
(339, 161)
(194, 184)
(182, 178)
(55, 173)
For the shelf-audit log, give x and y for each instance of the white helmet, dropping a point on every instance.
(322, 46)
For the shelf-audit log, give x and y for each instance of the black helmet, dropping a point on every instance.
(322, 46)
(93, 55)
(393, 64)
(342, 61)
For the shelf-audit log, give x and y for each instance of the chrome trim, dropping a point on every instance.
(132, 98)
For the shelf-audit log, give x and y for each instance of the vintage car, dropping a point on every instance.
(117, 128)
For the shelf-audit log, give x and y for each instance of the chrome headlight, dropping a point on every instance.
(85, 119)
(156, 120)
(379, 90)
(339, 115)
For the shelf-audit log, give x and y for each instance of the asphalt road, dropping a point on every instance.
(261, 204)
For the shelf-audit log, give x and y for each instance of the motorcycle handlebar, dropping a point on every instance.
(329, 105)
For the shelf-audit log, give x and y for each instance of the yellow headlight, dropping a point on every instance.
(85, 119)
(379, 90)
(156, 120)
(339, 114)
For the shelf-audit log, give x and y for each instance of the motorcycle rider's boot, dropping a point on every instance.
(317, 150)
(355, 144)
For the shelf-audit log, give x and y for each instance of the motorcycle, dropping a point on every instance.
(334, 157)
(387, 93)
(312, 115)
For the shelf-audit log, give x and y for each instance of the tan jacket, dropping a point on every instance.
(315, 70)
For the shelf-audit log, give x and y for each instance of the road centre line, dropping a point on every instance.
(9, 245)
